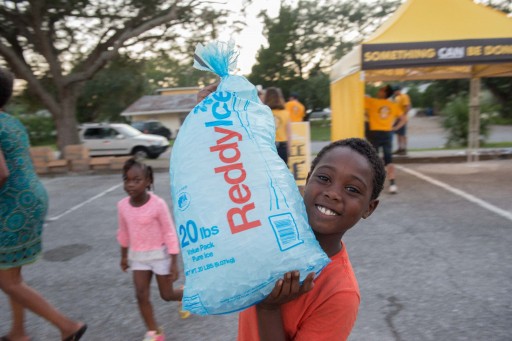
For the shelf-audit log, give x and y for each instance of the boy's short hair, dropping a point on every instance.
(364, 148)
(6, 85)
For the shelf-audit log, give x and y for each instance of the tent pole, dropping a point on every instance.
(474, 120)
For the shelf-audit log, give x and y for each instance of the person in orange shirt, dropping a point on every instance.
(404, 101)
(273, 97)
(295, 108)
(382, 114)
(343, 186)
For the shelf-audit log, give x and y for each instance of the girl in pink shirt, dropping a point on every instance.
(148, 240)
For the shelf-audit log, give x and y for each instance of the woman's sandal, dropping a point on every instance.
(77, 335)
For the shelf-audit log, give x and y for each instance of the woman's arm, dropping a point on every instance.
(4, 171)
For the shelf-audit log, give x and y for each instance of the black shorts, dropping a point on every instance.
(384, 140)
(402, 131)
(282, 150)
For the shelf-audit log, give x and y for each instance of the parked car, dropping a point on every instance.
(153, 127)
(121, 139)
(319, 114)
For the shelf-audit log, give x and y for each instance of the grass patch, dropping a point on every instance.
(320, 130)
(497, 145)
(501, 121)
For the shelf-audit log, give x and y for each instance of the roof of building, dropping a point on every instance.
(158, 104)
(191, 89)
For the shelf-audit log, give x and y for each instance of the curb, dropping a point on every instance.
(454, 156)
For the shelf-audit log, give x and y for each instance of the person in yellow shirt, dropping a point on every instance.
(273, 97)
(382, 114)
(404, 101)
(295, 108)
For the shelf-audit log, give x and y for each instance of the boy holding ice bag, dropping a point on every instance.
(343, 186)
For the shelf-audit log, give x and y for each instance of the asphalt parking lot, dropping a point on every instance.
(434, 262)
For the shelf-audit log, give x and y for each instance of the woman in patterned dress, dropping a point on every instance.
(23, 206)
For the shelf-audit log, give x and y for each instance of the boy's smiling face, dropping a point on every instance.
(338, 192)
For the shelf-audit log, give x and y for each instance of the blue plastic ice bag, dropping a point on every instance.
(240, 217)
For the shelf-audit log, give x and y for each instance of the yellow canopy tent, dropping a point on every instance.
(424, 40)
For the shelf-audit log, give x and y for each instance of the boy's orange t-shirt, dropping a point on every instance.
(328, 312)
(382, 113)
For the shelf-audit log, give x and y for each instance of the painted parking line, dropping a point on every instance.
(461, 193)
(74, 208)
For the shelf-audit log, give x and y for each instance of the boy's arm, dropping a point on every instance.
(270, 322)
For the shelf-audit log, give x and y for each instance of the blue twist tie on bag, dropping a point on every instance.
(241, 220)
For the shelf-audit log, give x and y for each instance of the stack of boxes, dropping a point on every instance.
(44, 161)
(77, 157)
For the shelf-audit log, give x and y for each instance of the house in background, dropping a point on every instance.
(170, 106)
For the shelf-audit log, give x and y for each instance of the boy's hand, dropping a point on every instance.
(287, 289)
(124, 264)
(207, 90)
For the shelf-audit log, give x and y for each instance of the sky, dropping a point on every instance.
(251, 37)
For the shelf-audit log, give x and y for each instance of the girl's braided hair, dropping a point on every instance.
(148, 170)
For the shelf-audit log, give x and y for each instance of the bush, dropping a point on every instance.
(40, 128)
(456, 121)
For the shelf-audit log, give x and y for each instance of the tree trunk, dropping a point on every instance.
(65, 120)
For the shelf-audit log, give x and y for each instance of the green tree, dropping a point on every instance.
(415, 96)
(57, 46)
(456, 121)
(164, 71)
(305, 40)
(440, 92)
(112, 90)
(501, 89)
(125, 80)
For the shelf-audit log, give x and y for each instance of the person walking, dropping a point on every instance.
(149, 244)
(23, 204)
(404, 101)
(295, 108)
(382, 113)
(273, 97)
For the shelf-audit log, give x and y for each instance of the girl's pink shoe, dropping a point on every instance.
(152, 335)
